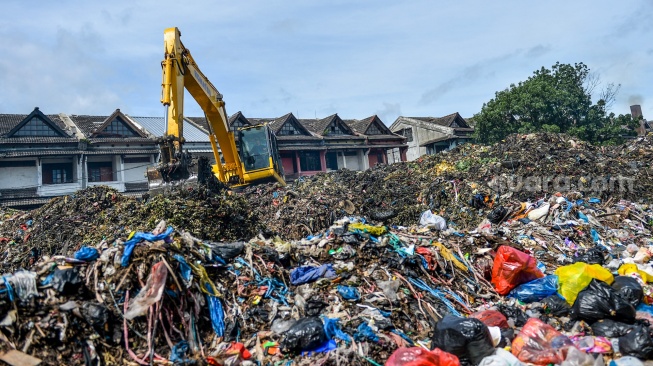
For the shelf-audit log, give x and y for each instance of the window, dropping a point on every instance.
(332, 161)
(36, 127)
(100, 171)
(288, 129)
(236, 125)
(373, 130)
(335, 129)
(310, 161)
(57, 173)
(118, 128)
(407, 133)
(137, 159)
(454, 124)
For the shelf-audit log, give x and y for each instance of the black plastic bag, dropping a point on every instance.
(611, 329)
(67, 281)
(467, 338)
(629, 289)
(516, 314)
(497, 215)
(637, 343)
(227, 251)
(95, 314)
(556, 306)
(305, 334)
(231, 330)
(314, 307)
(600, 301)
(507, 335)
(592, 256)
(478, 201)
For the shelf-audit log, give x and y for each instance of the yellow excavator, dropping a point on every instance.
(258, 159)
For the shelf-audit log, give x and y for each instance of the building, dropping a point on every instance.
(430, 135)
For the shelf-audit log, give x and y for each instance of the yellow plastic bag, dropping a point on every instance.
(573, 278)
(374, 230)
(628, 269)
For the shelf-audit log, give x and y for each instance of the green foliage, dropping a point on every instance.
(554, 100)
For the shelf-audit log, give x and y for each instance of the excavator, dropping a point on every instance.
(256, 161)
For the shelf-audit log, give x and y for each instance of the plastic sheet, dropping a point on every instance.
(306, 274)
(536, 290)
(600, 301)
(575, 277)
(467, 338)
(540, 344)
(87, 254)
(139, 237)
(226, 250)
(512, 268)
(150, 293)
(417, 356)
(67, 281)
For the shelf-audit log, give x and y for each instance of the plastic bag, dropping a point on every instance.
(491, 318)
(573, 278)
(305, 334)
(591, 344)
(556, 306)
(178, 354)
(540, 344)
(536, 290)
(389, 288)
(95, 314)
(150, 293)
(591, 256)
(610, 328)
(514, 313)
(66, 281)
(87, 254)
(137, 238)
(24, 284)
(332, 330)
(365, 332)
(600, 301)
(418, 356)
(280, 326)
(306, 274)
(226, 250)
(467, 338)
(637, 343)
(501, 358)
(626, 361)
(630, 269)
(512, 268)
(576, 357)
(629, 289)
(497, 215)
(428, 218)
(349, 293)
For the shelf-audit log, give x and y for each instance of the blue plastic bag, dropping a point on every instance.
(349, 293)
(216, 312)
(87, 254)
(179, 352)
(332, 330)
(365, 332)
(536, 290)
(137, 238)
(184, 268)
(583, 217)
(306, 274)
(594, 200)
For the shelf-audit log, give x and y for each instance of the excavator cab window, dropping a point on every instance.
(255, 150)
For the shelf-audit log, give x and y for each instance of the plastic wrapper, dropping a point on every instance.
(610, 328)
(418, 356)
(512, 268)
(556, 306)
(306, 274)
(150, 293)
(576, 357)
(536, 290)
(540, 344)
(637, 343)
(467, 338)
(591, 344)
(573, 278)
(491, 318)
(600, 301)
(629, 289)
(305, 334)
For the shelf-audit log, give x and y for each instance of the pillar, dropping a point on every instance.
(299, 165)
(323, 160)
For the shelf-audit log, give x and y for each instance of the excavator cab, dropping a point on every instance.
(259, 154)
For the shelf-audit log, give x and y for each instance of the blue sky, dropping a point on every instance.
(316, 58)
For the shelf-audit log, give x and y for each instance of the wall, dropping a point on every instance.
(287, 162)
(18, 177)
(352, 162)
(135, 172)
(420, 135)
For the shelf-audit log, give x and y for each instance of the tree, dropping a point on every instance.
(555, 100)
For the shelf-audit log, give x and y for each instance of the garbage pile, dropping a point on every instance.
(330, 274)
(521, 168)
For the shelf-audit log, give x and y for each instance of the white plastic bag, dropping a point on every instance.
(428, 218)
(150, 293)
(501, 358)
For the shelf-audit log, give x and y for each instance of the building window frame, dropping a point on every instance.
(310, 161)
(57, 173)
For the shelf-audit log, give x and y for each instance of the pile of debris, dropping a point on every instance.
(344, 268)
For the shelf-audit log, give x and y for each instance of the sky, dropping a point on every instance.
(316, 58)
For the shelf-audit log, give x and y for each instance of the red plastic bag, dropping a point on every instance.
(540, 344)
(491, 318)
(512, 268)
(417, 356)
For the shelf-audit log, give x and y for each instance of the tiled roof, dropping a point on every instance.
(37, 140)
(445, 121)
(318, 126)
(39, 152)
(361, 125)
